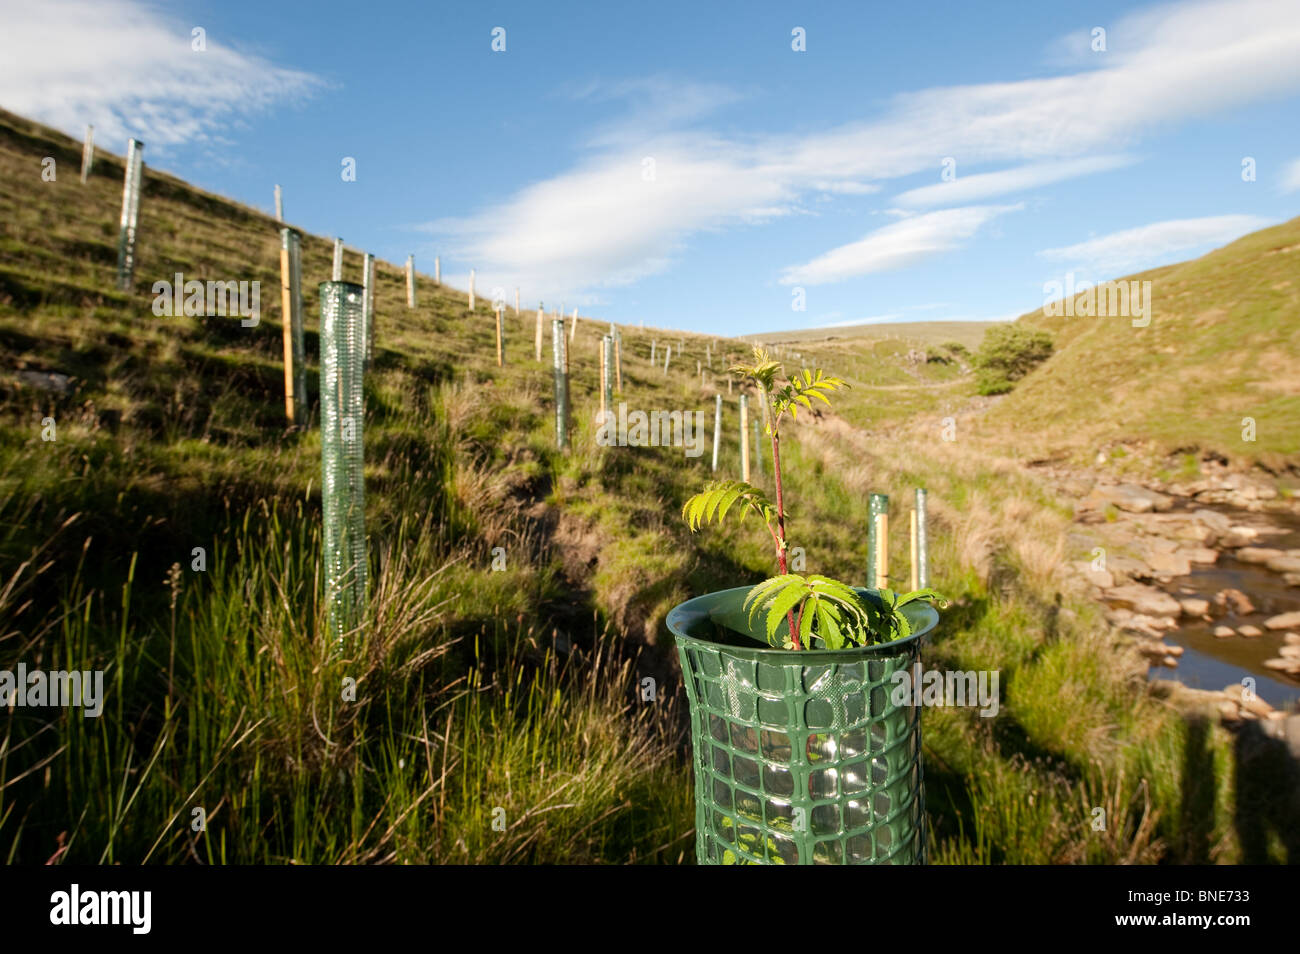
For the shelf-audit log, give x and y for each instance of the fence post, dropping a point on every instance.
(471, 289)
(338, 260)
(758, 448)
(668, 353)
(501, 342)
(342, 458)
(607, 375)
(561, 363)
(279, 205)
(368, 303)
(878, 540)
(87, 154)
(653, 345)
(618, 360)
(717, 427)
(573, 328)
(130, 214)
(539, 332)
(744, 437)
(410, 280)
(912, 536)
(295, 362)
(437, 270)
(922, 542)
(516, 301)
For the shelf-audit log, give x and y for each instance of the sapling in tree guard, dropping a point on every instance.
(819, 612)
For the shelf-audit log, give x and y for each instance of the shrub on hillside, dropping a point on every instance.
(1007, 353)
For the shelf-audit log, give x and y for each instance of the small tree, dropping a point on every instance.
(814, 607)
(1007, 353)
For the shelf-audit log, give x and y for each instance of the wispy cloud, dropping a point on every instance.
(896, 245)
(599, 225)
(1291, 176)
(985, 185)
(1153, 244)
(131, 71)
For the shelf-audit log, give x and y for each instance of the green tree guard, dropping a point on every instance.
(342, 457)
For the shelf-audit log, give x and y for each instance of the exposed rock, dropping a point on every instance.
(1170, 564)
(1289, 652)
(1291, 639)
(51, 381)
(1223, 632)
(1146, 600)
(1284, 564)
(1102, 578)
(1195, 607)
(1283, 620)
(1260, 555)
(1234, 600)
(1250, 631)
(1129, 497)
(1218, 522)
(1237, 537)
(1289, 666)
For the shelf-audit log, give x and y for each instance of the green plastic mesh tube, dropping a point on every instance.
(342, 458)
(800, 757)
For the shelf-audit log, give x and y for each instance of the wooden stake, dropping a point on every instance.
(279, 205)
(410, 281)
(744, 437)
(437, 270)
(337, 272)
(516, 301)
(538, 354)
(471, 289)
(604, 378)
(501, 355)
(618, 361)
(573, 328)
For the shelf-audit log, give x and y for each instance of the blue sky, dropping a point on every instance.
(778, 175)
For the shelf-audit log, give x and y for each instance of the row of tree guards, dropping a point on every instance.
(347, 321)
(878, 542)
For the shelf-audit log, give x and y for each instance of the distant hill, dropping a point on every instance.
(1221, 350)
(968, 333)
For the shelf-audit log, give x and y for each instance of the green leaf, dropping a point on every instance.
(791, 595)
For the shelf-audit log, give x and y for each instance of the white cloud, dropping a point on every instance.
(597, 226)
(1154, 243)
(1291, 176)
(985, 185)
(896, 245)
(131, 72)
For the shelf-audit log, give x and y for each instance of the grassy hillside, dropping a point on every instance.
(923, 333)
(478, 689)
(1222, 345)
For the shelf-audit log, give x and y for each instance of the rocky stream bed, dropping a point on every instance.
(1204, 576)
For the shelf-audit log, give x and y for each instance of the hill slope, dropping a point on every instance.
(476, 687)
(1223, 344)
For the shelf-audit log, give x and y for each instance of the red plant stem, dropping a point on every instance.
(780, 522)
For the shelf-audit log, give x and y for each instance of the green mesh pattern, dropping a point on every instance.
(342, 459)
(800, 757)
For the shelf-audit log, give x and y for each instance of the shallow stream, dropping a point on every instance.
(1212, 663)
